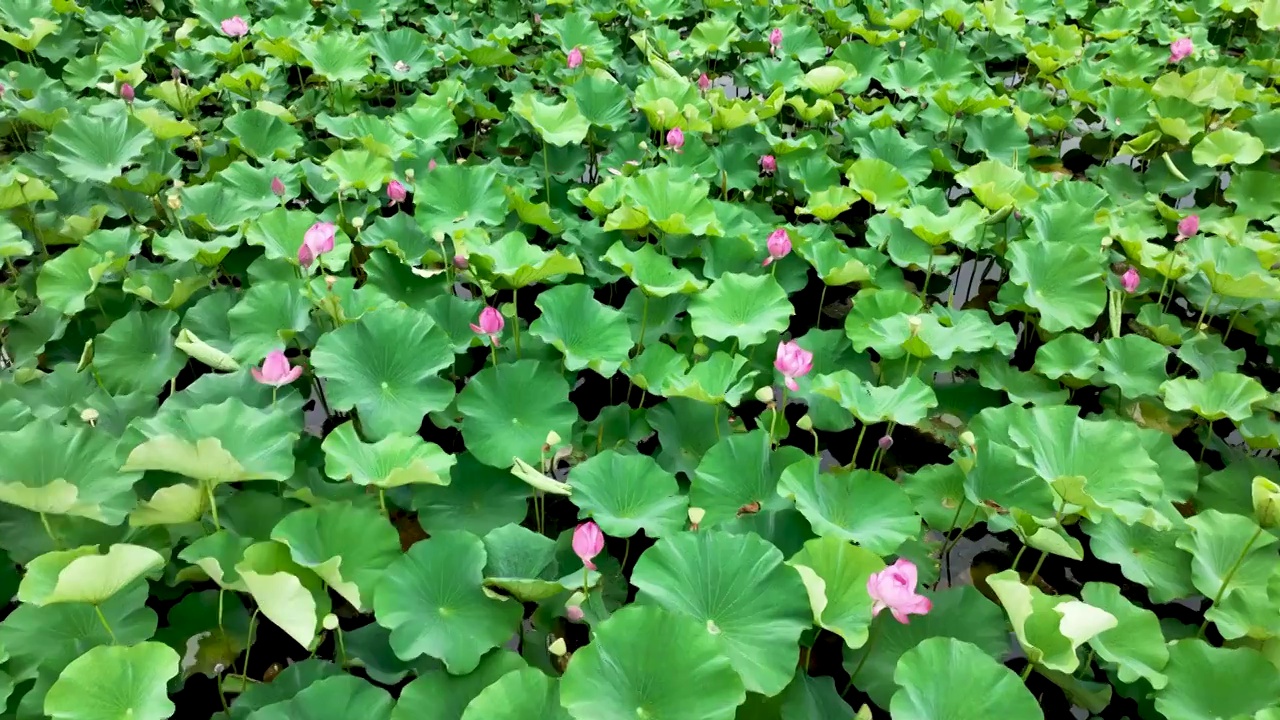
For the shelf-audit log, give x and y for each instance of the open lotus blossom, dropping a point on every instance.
(1180, 49)
(127, 92)
(575, 58)
(779, 244)
(317, 241)
(1188, 227)
(793, 361)
(491, 324)
(704, 82)
(775, 39)
(235, 27)
(1130, 280)
(275, 370)
(277, 187)
(588, 541)
(396, 192)
(895, 588)
(768, 164)
(675, 138)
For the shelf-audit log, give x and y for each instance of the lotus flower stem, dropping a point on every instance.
(546, 172)
(1026, 672)
(1226, 579)
(822, 301)
(1234, 316)
(103, 619)
(249, 646)
(853, 461)
(1165, 282)
(778, 410)
(213, 506)
(1035, 571)
(48, 530)
(866, 653)
(515, 318)
(644, 319)
(493, 350)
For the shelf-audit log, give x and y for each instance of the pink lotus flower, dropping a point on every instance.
(1188, 226)
(1130, 280)
(575, 59)
(779, 245)
(704, 82)
(127, 92)
(318, 240)
(895, 588)
(588, 541)
(491, 324)
(277, 187)
(431, 165)
(775, 39)
(675, 138)
(235, 27)
(275, 370)
(793, 361)
(1180, 49)
(573, 612)
(396, 192)
(768, 163)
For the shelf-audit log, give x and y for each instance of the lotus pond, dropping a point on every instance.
(653, 360)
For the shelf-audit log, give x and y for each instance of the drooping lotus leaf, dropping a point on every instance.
(522, 563)
(628, 493)
(83, 575)
(715, 380)
(1145, 555)
(557, 124)
(390, 462)
(1049, 628)
(1231, 561)
(740, 593)
(907, 404)
(50, 468)
(588, 332)
(1136, 643)
(288, 594)
(508, 411)
(348, 546)
(517, 263)
(656, 274)
(835, 574)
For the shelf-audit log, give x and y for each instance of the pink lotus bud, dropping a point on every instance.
(768, 163)
(779, 244)
(2, 89)
(277, 187)
(575, 58)
(588, 541)
(1188, 226)
(460, 262)
(792, 361)
(895, 588)
(775, 39)
(573, 612)
(675, 138)
(537, 18)
(1180, 49)
(431, 165)
(235, 27)
(885, 443)
(491, 324)
(1130, 280)
(127, 92)
(704, 82)
(275, 370)
(396, 192)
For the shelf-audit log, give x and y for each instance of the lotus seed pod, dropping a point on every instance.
(967, 438)
(695, 515)
(330, 622)
(89, 415)
(1266, 502)
(765, 394)
(701, 349)
(805, 423)
(558, 647)
(357, 222)
(553, 438)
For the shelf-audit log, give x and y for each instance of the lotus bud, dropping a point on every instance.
(330, 622)
(558, 647)
(553, 438)
(90, 416)
(1107, 242)
(573, 612)
(885, 443)
(174, 201)
(402, 66)
(277, 187)
(409, 174)
(22, 178)
(460, 262)
(914, 323)
(968, 438)
(805, 423)
(643, 145)
(695, 517)
(357, 222)
(765, 394)
(701, 349)
(127, 93)
(902, 44)
(1266, 502)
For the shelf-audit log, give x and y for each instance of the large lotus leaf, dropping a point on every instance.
(1133, 364)
(1063, 281)
(384, 365)
(945, 677)
(878, 182)
(1145, 555)
(746, 308)
(742, 595)
(217, 554)
(907, 404)
(557, 124)
(457, 196)
(655, 273)
(509, 410)
(336, 56)
(82, 575)
(68, 279)
(437, 695)
(1049, 628)
(519, 263)
(1225, 146)
(588, 332)
(525, 694)
(1136, 643)
(861, 506)
(227, 442)
(289, 595)
(996, 185)
(1206, 682)
(523, 564)
(433, 602)
(1222, 395)
(98, 148)
(136, 353)
(835, 573)
(672, 200)
(714, 380)
(113, 682)
(629, 671)
(390, 462)
(478, 499)
(1233, 561)
(601, 100)
(735, 471)
(429, 119)
(331, 698)
(960, 612)
(50, 468)
(628, 493)
(348, 546)
(880, 319)
(262, 135)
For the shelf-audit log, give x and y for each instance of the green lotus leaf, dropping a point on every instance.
(329, 698)
(67, 280)
(348, 546)
(522, 563)
(557, 124)
(478, 499)
(628, 493)
(861, 506)
(835, 573)
(263, 136)
(428, 120)
(223, 443)
(538, 479)
(1225, 146)
(1209, 356)
(217, 555)
(525, 694)
(1070, 354)
(83, 575)
(714, 380)
(999, 136)
(878, 182)
(519, 263)
(1222, 395)
(737, 470)
(98, 149)
(437, 695)
(390, 462)
(432, 601)
(674, 201)
(1136, 643)
(1049, 628)
(907, 404)
(627, 670)
(458, 196)
(996, 185)
(588, 332)
(136, 353)
(1231, 562)
(171, 505)
(1133, 364)
(1062, 281)
(1208, 682)
(1145, 555)
(384, 365)
(938, 677)
(744, 307)
(124, 682)
(958, 225)
(828, 203)
(835, 262)
(50, 468)
(656, 274)
(601, 100)
(509, 410)
(336, 56)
